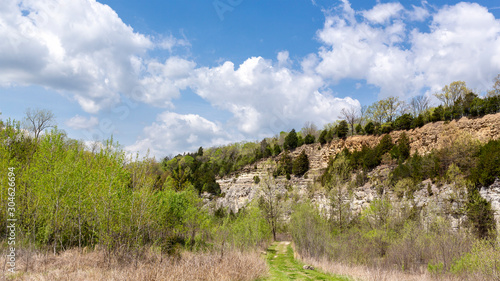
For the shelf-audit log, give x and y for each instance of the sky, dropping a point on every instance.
(166, 77)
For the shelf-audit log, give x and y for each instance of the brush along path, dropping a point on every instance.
(283, 266)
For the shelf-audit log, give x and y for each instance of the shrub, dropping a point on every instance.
(291, 140)
(301, 164)
(309, 139)
(370, 128)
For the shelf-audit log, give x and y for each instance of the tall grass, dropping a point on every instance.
(76, 265)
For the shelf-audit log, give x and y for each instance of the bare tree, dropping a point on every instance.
(496, 87)
(37, 120)
(419, 104)
(362, 115)
(309, 129)
(350, 115)
(270, 202)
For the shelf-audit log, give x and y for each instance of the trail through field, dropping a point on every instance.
(283, 266)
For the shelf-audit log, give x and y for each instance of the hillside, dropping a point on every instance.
(240, 189)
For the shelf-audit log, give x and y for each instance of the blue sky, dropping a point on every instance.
(170, 76)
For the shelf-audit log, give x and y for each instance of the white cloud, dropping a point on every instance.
(382, 13)
(81, 123)
(418, 13)
(463, 44)
(169, 42)
(79, 47)
(266, 98)
(174, 133)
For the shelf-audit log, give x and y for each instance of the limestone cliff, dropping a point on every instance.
(238, 190)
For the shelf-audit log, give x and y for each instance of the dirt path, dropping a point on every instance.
(282, 265)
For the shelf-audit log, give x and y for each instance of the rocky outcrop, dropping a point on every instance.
(492, 194)
(238, 190)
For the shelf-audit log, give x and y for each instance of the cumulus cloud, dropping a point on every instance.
(463, 44)
(265, 97)
(82, 123)
(79, 47)
(382, 13)
(174, 133)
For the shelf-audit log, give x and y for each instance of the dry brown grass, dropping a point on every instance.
(75, 266)
(365, 273)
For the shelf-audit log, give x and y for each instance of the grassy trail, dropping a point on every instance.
(282, 266)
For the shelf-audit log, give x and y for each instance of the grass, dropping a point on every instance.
(76, 265)
(283, 266)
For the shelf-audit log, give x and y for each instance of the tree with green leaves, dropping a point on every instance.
(451, 93)
(291, 140)
(309, 139)
(342, 129)
(370, 128)
(301, 164)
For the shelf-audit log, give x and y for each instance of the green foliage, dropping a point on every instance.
(370, 128)
(402, 150)
(385, 145)
(285, 165)
(244, 230)
(418, 122)
(488, 164)
(359, 129)
(291, 140)
(256, 179)
(483, 260)
(480, 215)
(403, 122)
(322, 137)
(342, 129)
(300, 164)
(276, 149)
(309, 139)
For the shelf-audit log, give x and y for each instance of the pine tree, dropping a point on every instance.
(301, 164)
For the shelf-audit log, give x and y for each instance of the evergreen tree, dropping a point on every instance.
(301, 164)
(291, 140)
(322, 137)
(370, 128)
(276, 149)
(342, 129)
(309, 139)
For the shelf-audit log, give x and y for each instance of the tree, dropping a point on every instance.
(291, 140)
(496, 87)
(37, 120)
(342, 129)
(362, 115)
(339, 173)
(451, 93)
(403, 122)
(370, 128)
(276, 149)
(359, 129)
(301, 164)
(309, 129)
(270, 202)
(322, 137)
(350, 115)
(392, 106)
(309, 139)
(403, 147)
(419, 104)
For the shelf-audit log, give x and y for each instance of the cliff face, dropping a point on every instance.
(239, 190)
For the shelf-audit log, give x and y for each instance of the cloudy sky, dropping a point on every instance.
(171, 76)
